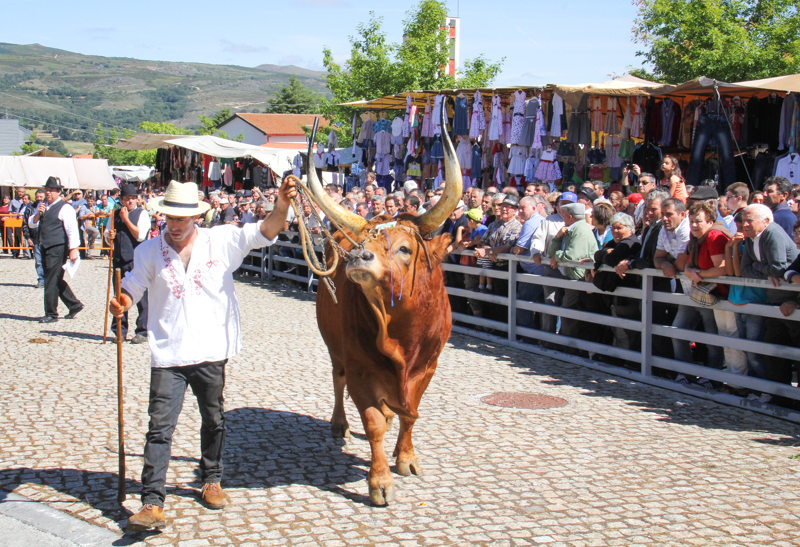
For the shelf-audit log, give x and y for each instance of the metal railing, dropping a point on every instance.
(512, 334)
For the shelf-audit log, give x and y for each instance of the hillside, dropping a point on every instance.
(42, 85)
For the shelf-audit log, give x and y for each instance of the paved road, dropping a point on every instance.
(620, 464)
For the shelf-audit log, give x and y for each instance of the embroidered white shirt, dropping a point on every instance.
(193, 314)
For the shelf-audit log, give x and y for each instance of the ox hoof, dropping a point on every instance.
(340, 432)
(382, 495)
(409, 468)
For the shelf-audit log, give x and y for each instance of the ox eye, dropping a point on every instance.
(405, 250)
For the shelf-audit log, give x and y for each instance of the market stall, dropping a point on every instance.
(32, 172)
(211, 162)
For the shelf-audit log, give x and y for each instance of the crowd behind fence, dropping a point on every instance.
(644, 362)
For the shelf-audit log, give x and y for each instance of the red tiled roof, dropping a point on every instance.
(82, 156)
(286, 145)
(281, 124)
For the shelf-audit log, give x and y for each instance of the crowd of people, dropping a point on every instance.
(643, 221)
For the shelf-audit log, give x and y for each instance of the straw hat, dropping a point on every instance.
(180, 200)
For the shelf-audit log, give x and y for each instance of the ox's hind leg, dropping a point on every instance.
(339, 426)
(404, 449)
(379, 479)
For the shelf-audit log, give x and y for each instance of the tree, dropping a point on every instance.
(29, 146)
(294, 98)
(377, 67)
(210, 125)
(729, 40)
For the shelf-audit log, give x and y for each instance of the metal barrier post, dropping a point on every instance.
(264, 258)
(512, 300)
(271, 262)
(647, 322)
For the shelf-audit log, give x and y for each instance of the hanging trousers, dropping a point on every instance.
(712, 126)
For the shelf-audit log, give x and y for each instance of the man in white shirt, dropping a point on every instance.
(59, 238)
(193, 329)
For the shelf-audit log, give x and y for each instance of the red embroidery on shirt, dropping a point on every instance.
(177, 290)
(198, 273)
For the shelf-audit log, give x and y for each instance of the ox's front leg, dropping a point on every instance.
(339, 426)
(404, 450)
(381, 489)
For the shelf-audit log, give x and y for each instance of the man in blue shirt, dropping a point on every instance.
(776, 193)
(532, 211)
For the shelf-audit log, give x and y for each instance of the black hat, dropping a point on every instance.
(53, 182)
(703, 193)
(127, 189)
(513, 201)
(591, 194)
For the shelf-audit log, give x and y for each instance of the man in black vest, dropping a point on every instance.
(59, 240)
(131, 225)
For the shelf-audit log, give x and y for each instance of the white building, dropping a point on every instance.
(261, 129)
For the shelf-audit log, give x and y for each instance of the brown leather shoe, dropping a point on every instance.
(212, 495)
(150, 517)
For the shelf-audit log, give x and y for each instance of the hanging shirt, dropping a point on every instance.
(789, 167)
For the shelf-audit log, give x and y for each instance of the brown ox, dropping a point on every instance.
(390, 324)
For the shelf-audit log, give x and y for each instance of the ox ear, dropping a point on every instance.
(437, 247)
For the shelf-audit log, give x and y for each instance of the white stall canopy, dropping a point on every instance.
(32, 172)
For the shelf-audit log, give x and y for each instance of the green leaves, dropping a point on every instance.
(377, 67)
(730, 40)
(294, 98)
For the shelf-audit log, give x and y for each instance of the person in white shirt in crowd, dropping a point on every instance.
(193, 329)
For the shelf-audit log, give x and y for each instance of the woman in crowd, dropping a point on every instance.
(601, 222)
(706, 258)
(672, 178)
(623, 245)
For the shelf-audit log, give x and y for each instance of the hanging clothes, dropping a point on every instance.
(548, 169)
(427, 126)
(366, 133)
(518, 156)
(531, 164)
(612, 121)
(475, 168)
(407, 117)
(496, 121)
(557, 116)
(736, 113)
(625, 131)
(597, 114)
(460, 117)
(769, 121)
(498, 163)
(436, 120)
(507, 123)
(464, 152)
(579, 131)
(397, 131)
(478, 120)
(526, 135)
(538, 128)
(788, 116)
(637, 123)
(613, 158)
(518, 116)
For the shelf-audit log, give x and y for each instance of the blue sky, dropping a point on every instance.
(542, 42)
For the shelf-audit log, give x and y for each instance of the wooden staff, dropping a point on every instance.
(120, 421)
(109, 225)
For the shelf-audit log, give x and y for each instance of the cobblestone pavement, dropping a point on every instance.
(620, 464)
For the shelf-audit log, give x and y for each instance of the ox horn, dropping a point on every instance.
(433, 218)
(337, 213)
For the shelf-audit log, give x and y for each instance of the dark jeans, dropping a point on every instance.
(708, 126)
(141, 305)
(53, 260)
(167, 390)
(528, 292)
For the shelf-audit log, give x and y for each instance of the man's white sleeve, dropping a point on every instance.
(139, 279)
(144, 225)
(69, 218)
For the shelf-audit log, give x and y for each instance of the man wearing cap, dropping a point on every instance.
(193, 329)
(59, 240)
(131, 225)
(574, 242)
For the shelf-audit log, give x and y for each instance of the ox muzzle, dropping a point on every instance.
(360, 266)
